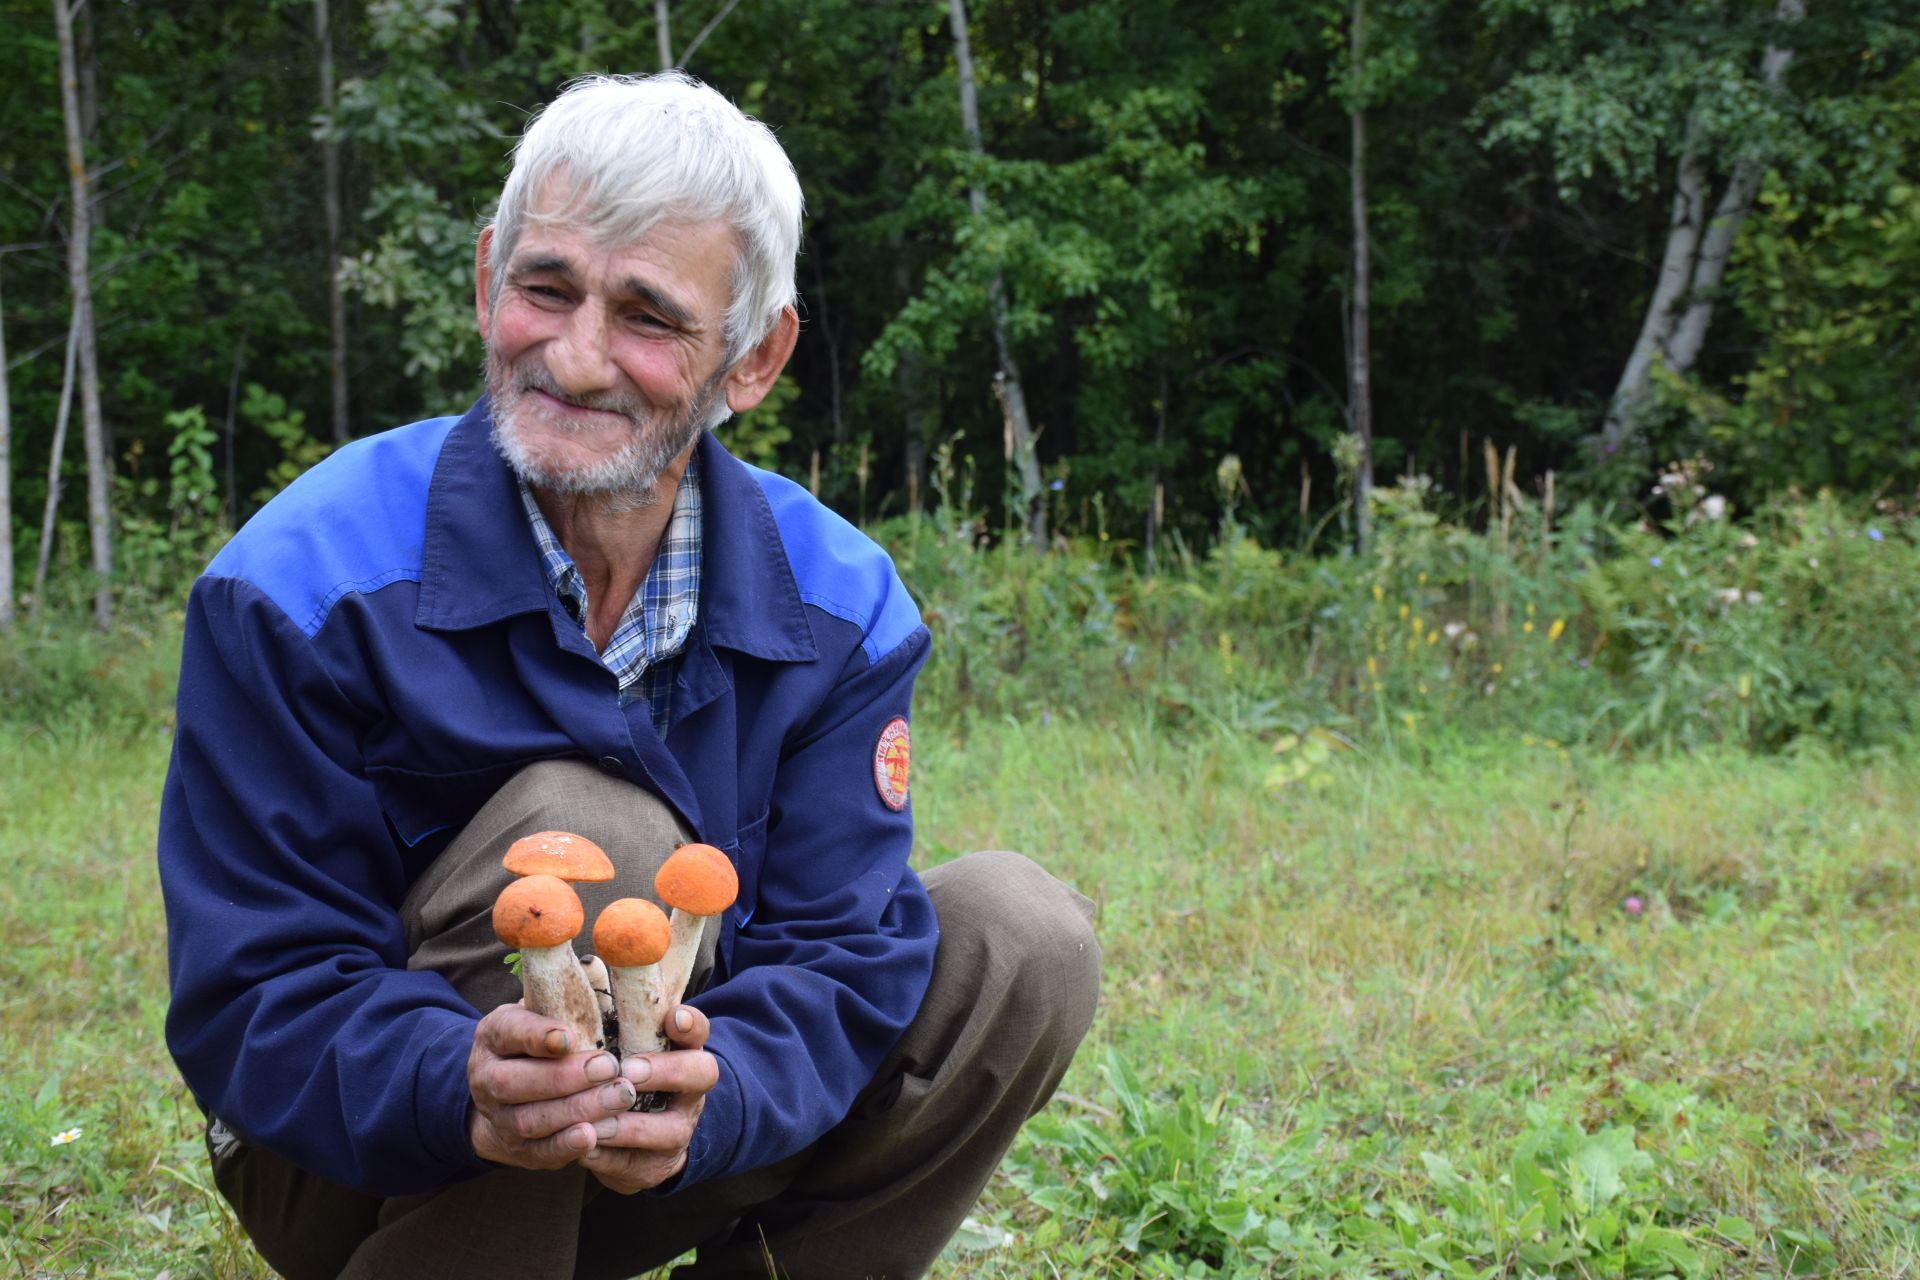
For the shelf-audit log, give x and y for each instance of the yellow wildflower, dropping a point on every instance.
(1558, 629)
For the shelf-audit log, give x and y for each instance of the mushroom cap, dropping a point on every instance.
(537, 911)
(631, 931)
(558, 853)
(698, 879)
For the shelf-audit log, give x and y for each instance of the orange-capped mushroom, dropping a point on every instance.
(559, 853)
(632, 935)
(539, 915)
(538, 911)
(631, 931)
(697, 878)
(698, 882)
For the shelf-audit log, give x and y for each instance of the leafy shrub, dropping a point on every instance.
(1632, 637)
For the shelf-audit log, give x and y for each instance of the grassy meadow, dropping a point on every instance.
(1531, 902)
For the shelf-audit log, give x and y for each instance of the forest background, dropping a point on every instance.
(1415, 502)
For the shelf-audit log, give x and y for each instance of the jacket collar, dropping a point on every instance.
(479, 564)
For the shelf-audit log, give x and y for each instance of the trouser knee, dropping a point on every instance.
(1022, 945)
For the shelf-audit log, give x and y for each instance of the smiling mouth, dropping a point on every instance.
(573, 409)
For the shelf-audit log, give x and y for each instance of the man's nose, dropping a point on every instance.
(580, 358)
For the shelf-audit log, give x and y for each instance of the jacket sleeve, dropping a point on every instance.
(832, 965)
(294, 1017)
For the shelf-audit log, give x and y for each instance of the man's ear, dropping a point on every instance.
(754, 375)
(482, 279)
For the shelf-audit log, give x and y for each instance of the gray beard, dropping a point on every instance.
(627, 479)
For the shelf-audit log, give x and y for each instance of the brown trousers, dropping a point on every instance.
(1015, 980)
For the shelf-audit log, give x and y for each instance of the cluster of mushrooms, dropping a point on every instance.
(642, 958)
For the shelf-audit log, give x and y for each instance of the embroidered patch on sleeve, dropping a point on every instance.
(890, 757)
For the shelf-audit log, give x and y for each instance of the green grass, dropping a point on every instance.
(1336, 1015)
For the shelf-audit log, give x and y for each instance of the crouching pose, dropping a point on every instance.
(570, 608)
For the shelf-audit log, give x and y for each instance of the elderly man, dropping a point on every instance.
(571, 608)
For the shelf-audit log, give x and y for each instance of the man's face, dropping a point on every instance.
(604, 364)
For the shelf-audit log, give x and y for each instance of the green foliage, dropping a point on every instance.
(167, 531)
(1179, 1188)
(286, 427)
(1828, 281)
(1631, 636)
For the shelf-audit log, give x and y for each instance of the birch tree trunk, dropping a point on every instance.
(1676, 269)
(79, 235)
(1360, 347)
(60, 419)
(1007, 389)
(6, 486)
(330, 176)
(663, 34)
(1674, 329)
(1716, 244)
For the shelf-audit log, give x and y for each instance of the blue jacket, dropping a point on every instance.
(375, 653)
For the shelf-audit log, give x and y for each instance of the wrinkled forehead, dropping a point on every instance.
(615, 219)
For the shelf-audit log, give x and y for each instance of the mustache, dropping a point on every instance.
(535, 377)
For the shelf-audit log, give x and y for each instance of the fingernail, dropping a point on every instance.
(557, 1043)
(608, 1129)
(604, 1067)
(578, 1138)
(682, 1020)
(639, 1070)
(617, 1096)
(588, 1157)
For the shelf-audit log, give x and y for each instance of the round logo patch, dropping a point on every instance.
(890, 756)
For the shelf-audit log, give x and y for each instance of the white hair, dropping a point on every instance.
(633, 151)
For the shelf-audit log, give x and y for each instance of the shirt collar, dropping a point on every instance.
(480, 563)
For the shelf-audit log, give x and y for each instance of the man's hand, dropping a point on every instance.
(535, 1105)
(648, 1147)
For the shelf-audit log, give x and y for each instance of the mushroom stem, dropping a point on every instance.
(642, 1008)
(554, 984)
(676, 967)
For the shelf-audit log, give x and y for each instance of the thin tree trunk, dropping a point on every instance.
(1157, 499)
(330, 177)
(1360, 389)
(1716, 244)
(1013, 401)
(819, 299)
(663, 34)
(907, 379)
(1676, 268)
(78, 236)
(6, 487)
(700, 37)
(60, 419)
(1674, 328)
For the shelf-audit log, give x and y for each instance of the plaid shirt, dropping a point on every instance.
(653, 631)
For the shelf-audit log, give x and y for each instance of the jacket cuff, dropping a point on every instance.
(716, 1139)
(442, 1098)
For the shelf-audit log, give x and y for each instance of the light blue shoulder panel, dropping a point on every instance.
(353, 523)
(839, 569)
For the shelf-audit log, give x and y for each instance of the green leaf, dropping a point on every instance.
(1738, 1230)
(49, 1092)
